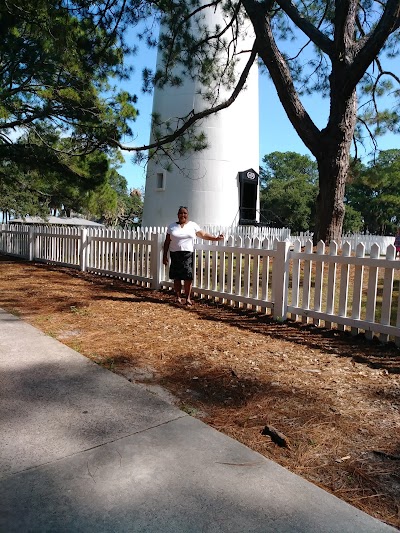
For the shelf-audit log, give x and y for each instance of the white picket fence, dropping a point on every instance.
(252, 232)
(331, 288)
(354, 239)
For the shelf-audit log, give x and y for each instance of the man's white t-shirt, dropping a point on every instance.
(182, 239)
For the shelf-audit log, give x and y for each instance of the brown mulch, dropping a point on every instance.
(323, 404)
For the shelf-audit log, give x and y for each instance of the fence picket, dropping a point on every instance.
(221, 273)
(199, 255)
(307, 282)
(246, 267)
(397, 336)
(230, 267)
(387, 292)
(214, 270)
(132, 267)
(331, 286)
(372, 290)
(344, 284)
(295, 278)
(357, 288)
(238, 270)
(319, 275)
(256, 271)
(207, 271)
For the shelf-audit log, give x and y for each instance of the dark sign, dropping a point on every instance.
(248, 176)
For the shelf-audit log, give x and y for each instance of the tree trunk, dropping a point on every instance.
(333, 168)
(333, 159)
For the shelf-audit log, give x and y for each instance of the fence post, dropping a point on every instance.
(2, 229)
(156, 260)
(84, 244)
(31, 243)
(280, 280)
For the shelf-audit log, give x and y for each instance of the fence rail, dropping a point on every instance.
(354, 239)
(346, 288)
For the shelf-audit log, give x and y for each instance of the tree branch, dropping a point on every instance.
(367, 48)
(370, 133)
(281, 77)
(315, 35)
(345, 20)
(178, 30)
(192, 118)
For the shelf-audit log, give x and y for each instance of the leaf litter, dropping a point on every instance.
(334, 397)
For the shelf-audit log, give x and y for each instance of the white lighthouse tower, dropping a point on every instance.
(219, 184)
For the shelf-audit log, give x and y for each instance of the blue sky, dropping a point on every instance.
(276, 132)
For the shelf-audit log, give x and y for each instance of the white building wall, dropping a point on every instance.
(207, 181)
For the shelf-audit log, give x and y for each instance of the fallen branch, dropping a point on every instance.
(387, 455)
(276, 436)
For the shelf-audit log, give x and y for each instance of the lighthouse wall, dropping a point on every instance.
(206, 181)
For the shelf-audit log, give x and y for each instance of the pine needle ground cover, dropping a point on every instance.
(332, 399)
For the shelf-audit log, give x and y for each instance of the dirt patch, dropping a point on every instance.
(334, 398)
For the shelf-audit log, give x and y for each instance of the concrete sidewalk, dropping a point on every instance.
(84, 450)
